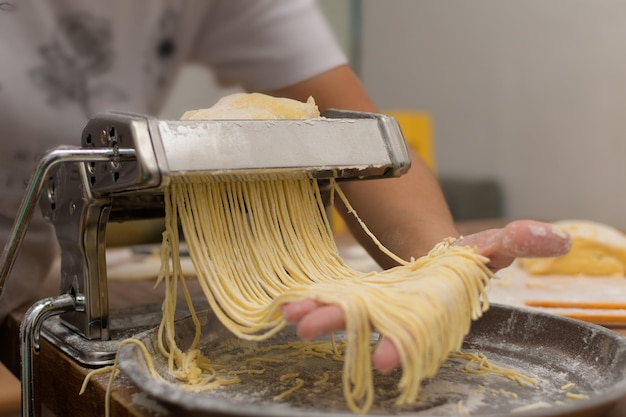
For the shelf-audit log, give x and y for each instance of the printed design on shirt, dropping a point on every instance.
(162, 49)
(7, 6)
(80, 51)
(16, 180)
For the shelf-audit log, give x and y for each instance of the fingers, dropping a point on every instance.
(294, 312)
(386, 357)
(526, 238)
(519, 239)
(314, 319)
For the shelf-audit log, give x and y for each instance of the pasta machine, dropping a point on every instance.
(119, 174)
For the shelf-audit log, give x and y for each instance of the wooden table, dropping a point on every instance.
(58, 378)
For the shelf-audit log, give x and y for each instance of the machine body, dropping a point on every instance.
(126, 160)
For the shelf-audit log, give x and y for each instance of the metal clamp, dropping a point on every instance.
(30, 343)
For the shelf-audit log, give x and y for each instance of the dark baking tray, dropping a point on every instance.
(554, 350)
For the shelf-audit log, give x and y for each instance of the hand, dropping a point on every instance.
(522, 238)
(518, 239)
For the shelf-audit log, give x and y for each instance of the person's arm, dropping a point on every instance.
(407, 214)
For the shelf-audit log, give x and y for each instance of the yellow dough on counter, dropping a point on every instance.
(597, 250)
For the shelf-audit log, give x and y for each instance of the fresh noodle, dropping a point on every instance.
(477, 363)
(261, 241)
(264, 242)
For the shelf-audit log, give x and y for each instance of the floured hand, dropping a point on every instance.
(519, 239)
(522, 238)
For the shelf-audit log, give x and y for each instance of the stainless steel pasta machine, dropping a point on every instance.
(119, 173)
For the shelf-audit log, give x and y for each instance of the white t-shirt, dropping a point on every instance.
(62, 61)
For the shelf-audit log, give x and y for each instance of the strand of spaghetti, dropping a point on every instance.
(358, 394)
(91, 374)
(322, 380)
(113, 368)
(284, 394)
(374, 239)
(484, 366)
(215, 292)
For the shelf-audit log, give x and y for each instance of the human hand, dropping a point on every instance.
(522, 238)
(518, 239)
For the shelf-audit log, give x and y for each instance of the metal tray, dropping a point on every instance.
(554, 350)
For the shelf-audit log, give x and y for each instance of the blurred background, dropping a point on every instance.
(522, 103)
(526, 100)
